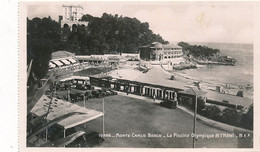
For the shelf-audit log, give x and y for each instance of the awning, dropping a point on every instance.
(65, 62)
(51, 65)
(83, 57)
(80, 77)
(60, 107)
(72, 60)
(58, 63)
(113, 58)
(66, 79)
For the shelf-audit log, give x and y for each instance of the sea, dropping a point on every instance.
(239, 75)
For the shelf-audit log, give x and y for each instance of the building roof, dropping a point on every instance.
(65, 62)
(103, 76)
(194, 91)
(113, 58)
(103, 57)
(52, 65)
(156, 44)
(72, 60)
(83, 57)
(160, 45)
(80, 78)
(56, 62)
(235, 100)
(60, 107)
(146, 46)
(171, 46)
(62, 54)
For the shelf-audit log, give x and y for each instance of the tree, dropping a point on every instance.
(247, 119)
(121, 34)
(43, 37)
(231, 116)
(198, 51)
(212, 112)
(201, 104)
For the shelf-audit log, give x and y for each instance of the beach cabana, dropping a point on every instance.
(57, 63)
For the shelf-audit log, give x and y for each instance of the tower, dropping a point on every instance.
(71, 12)
(71, 15)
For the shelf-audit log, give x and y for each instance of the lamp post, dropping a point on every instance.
(195, 118)
(84, 100)
(103, 116)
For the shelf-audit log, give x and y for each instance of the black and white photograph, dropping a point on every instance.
(138, 74)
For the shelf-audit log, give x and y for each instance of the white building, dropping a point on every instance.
(71, 16)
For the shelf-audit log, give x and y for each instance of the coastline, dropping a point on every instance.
(187, 80)
(230, 89)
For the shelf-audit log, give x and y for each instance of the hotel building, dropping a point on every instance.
(161, 52)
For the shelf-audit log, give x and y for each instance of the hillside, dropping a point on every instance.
(111, 33)
(107, 34)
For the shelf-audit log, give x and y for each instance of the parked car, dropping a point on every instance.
(89, 140)
(171, 104)
(89, 87)
(108, 93)
(97, 94)
(102, 92)
(62, 86)
(89, 95)
(93, 139)
(75, 97)
(114, 92)
(81, 87)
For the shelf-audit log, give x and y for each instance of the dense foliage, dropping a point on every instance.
(112, 33)
(198, 51)
(213, 112)
(247, 119)
(108, 34)
(42, 39)
(230, 116)
(240, 118)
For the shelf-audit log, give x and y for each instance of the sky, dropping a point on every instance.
(229, 22)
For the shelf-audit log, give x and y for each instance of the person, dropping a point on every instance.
(127, 90)
(154, 97)
(175, 96)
